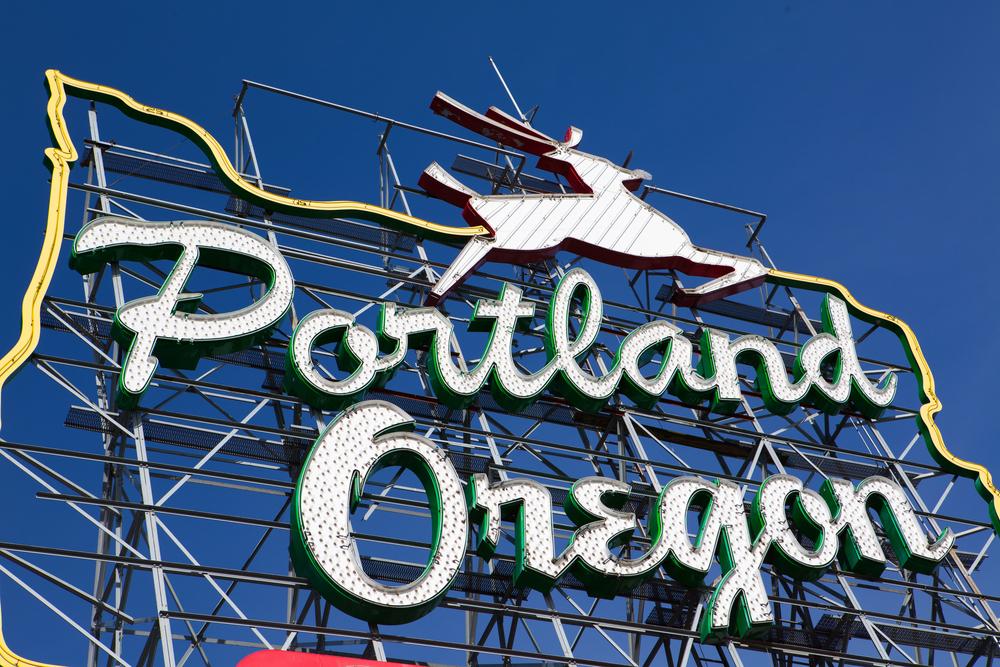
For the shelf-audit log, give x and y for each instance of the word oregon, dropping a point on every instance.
(374, 434)
(164, 328)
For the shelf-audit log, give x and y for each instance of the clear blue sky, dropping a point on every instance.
(868, 132)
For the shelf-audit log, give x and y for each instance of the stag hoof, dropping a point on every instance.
(692, 298)
(685, 298)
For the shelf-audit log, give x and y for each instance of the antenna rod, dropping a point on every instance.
(509, 94)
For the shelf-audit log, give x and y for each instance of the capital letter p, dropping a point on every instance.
(164, 328)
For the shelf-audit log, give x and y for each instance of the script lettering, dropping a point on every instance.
(789, 526)
(165, 327)
(715, 378)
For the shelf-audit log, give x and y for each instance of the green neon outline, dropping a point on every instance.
(348, 360)
(597, 583)
(702, 500)
(63, 154)
(507, 398)
(852, 559)
(561, 382)
(817, 395)
(849, 554)
(514, 510)
(741, 624)
(183, 354)
(633, 390)
(775, 554)
(305, 564)
(436, 341)
(762, 379)
(926, 389)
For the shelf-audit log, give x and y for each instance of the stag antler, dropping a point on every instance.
(494, 125)
(574, 135)
(510, 131)
(501, 116)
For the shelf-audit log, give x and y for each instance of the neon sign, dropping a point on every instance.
(165, 326)
(373, 434)
(656, 359)
(714, 378)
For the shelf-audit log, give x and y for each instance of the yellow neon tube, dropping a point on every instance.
(930, 403)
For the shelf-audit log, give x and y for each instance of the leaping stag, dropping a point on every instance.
(601, 219)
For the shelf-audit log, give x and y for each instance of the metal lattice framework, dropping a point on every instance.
(189, 495)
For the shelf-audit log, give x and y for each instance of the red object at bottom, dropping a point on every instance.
(296, 659)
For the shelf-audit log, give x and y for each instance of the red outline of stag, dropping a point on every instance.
(601, 219)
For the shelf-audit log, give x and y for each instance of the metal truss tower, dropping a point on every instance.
(188, 497)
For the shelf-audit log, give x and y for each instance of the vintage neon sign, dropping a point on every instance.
(373, 434)
(166, 327)
(62, 155)
(847, 504)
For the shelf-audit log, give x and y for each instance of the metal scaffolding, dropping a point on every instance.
(189, 495)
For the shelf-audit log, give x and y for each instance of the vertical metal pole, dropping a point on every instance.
(146, 489)
(292, 593)
(110, 481)
(152, 536)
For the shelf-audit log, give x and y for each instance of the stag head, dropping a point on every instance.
(560, 157)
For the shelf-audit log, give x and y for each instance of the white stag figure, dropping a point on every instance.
(601, 219)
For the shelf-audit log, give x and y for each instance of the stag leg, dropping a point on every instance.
(743, 273)
(468, 260)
